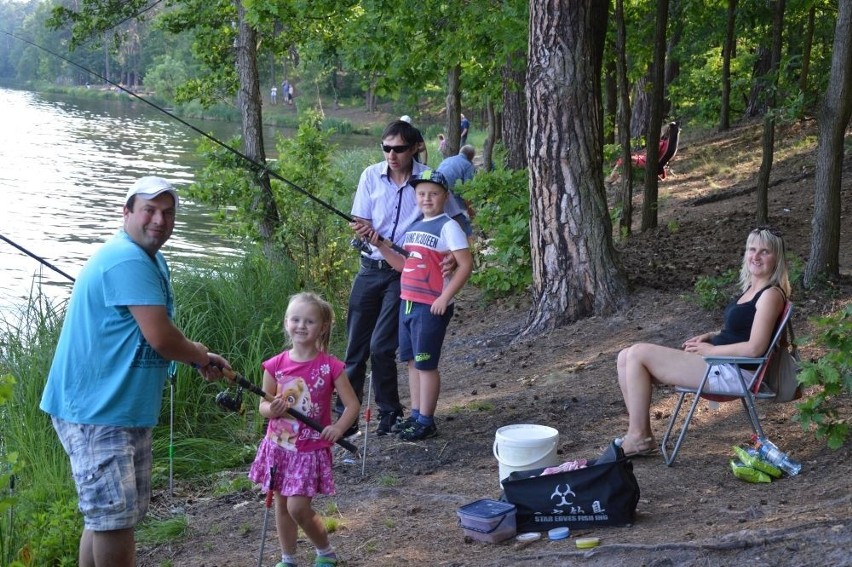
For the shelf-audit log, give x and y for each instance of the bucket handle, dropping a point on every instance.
(502, 462)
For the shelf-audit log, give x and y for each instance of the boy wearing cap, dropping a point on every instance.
(105, 385)
(427, 297)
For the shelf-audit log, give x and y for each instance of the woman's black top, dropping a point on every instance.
(739, 318)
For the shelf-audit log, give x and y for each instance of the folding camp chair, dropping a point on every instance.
(751, 389)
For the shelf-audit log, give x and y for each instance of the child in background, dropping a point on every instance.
(303, 378)
(442, 145)
(427, 305)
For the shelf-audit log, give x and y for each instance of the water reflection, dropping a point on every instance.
(64, 169)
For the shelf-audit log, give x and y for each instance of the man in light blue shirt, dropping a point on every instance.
(105, 385)
(458, 170)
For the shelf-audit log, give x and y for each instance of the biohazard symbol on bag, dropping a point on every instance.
(562, 495)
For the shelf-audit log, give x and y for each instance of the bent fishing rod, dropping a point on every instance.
(260, 168)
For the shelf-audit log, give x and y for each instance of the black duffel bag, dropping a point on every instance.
(604, 493)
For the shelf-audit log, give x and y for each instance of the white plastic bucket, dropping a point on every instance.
(525, 446)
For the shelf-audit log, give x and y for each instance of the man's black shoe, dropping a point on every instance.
(386, 422)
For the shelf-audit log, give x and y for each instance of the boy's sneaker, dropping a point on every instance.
(418, 432)
(387, 421)
(403, 424)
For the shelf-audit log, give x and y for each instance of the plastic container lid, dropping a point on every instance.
(486, 508)
(588, 542)
(528, 536)
(558, 533)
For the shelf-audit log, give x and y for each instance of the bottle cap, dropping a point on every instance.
(558, 533)
(528, 536)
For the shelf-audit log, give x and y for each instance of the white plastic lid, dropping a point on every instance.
(528, 536)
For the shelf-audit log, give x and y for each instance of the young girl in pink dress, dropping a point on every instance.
(303, 378)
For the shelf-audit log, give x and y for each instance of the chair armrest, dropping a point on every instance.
(733, 360)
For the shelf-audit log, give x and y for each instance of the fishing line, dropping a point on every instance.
(260, 168)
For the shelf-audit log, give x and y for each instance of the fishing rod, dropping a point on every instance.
(36, 257)
(259, 167)
(229, 403)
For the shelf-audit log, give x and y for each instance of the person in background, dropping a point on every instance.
(105, 386)
(293, 460)
(427, 298)
(465, 126)
(384, 202)
(290, 94)
(442, 145)
(422, 154)
(749, 325)
(273, 95)
(457, 170)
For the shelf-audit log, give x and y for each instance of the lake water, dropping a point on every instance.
(65, 166)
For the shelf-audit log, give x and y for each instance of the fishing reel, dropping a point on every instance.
(230, 403)
(361, 245)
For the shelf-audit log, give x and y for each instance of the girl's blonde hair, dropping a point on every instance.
(326, 314)
(773, 240)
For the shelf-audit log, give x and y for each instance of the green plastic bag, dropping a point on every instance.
(756, 462)
(747, 473)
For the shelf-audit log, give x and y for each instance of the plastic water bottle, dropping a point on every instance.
(770, 453)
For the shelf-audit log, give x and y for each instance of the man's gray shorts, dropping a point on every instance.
(111, 467)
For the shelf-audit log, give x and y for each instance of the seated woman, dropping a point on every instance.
(749, 324)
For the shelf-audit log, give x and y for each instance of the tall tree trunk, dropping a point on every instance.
(249, 103)
(515, 113)
(806, 51)
(769, 118)
(672, 62)
(641, 110)
(652, 148)
(490, 137)
(575, 272)
(728, 53)
(453, 110)
(611, 105)
(625, 222)
(835, 112)
(756, 104)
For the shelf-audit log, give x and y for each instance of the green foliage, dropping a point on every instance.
(500, 199)
(314, 237)
(8, 468)
(713, 292)
(309, 235)
(795, 270)
(165, 77)
(832, 375)
(229, 484)
(155, 531)
(53, 528)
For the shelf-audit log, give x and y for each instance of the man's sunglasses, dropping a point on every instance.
(397, 149)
